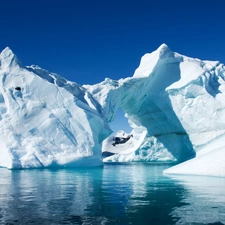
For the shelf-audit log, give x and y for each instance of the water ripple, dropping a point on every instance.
(117, 194)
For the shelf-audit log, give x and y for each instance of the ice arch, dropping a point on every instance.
(176, 106)
(146, 100)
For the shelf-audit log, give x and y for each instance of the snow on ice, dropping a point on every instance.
(174, 104)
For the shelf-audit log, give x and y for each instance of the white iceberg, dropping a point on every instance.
(45, 120)
(174, 104)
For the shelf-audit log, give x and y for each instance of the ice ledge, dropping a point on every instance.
(209, 164)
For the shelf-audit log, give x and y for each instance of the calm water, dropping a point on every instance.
(115, 194)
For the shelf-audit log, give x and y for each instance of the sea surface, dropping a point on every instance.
(120, 194)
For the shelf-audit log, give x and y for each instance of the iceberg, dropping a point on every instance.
(174, 105)
(45, 120)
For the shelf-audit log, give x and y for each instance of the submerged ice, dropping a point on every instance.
(174, 104)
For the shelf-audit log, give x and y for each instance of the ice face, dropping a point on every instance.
(45, 120)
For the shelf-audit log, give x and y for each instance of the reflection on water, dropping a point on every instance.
(115, 194)
(205, 200)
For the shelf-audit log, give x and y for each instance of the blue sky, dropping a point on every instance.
(86, 41)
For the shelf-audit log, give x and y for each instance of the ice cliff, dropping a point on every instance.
(45, 120)
(175, 105)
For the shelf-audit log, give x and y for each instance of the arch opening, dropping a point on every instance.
(121, 139)
(120, 122)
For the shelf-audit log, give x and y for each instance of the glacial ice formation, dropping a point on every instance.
(175, 105)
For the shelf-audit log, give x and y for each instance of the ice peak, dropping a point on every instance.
(8, 58)
(163, 46)
(7, 52)
(164, 51)
(148, 62)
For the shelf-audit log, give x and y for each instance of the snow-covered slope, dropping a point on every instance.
(46, 120)
(176, 101)
(209, 161)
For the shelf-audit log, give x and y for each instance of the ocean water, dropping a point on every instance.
(120, 194)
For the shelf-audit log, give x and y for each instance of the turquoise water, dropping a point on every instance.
(115, 194)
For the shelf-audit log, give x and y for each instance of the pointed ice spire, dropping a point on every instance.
(164, 51)
(8, 59)
(162, 54)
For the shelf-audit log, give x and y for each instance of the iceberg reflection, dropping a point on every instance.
(47, 196)
(116, 194)
(204, 201)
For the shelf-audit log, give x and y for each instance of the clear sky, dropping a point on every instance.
(86, 40)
